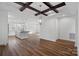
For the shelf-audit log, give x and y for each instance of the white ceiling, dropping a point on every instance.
(13, 9)
(36, 5)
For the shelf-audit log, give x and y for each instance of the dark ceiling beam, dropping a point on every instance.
(59, 5)
(25, 6)
(36, 10)
(44, 11)
(22, 4)
(53, 7)
(50, 6)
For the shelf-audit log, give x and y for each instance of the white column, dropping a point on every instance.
(3, 27)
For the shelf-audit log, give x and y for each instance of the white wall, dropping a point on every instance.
(13, 19)
(58, 28)
(67, 26)
(77, 41)
(11, 29)
(32, 24)
(3, 28)
(48, 29)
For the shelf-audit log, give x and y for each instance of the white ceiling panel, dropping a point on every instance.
(38, 4)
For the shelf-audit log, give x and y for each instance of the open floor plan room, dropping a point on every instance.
(39, 29)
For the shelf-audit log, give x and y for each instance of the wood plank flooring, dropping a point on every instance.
(18, 47)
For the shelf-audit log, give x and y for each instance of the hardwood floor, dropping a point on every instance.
(1, 49)
(18, 47)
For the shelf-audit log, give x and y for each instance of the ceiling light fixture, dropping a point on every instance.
(40, 19)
